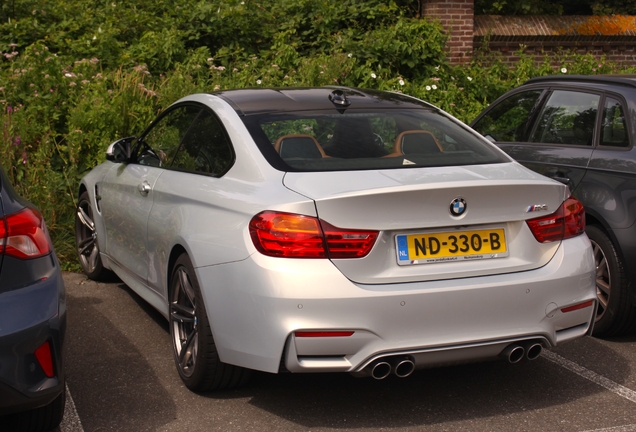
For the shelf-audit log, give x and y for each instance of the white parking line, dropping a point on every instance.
(615, 388)
(626, 428)
(71, 421)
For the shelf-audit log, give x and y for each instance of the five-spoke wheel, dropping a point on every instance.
(615, 313)
(86, 239)
(195, 353)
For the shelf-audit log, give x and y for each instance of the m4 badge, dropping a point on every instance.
(537, 207)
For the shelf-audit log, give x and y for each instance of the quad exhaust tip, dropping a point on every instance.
(400, 366)
(514, 353)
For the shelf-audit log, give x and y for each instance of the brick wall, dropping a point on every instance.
(612, 36)
(457, 17)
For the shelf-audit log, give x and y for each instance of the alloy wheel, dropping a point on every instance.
(184, 322)
(87, 248)
(603, 279)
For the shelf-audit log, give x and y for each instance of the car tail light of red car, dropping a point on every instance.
(23, 235)
(568, 221)
(296, 236)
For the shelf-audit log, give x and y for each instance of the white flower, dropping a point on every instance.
(434, 87)
(258, 82)
(564, 70)
(68, 75)
(428, 88)
(349, 55)
(94, 37)
(401, 82)
(374, 76)
(436, 68)
(469, 78)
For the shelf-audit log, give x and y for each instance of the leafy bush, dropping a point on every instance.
(76, 75)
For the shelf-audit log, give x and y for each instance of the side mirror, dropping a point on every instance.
(120, 150)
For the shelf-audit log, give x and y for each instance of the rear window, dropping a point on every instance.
(355, 140)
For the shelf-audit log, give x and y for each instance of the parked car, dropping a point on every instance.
(580, 130)
(32, 319)
(334, 230)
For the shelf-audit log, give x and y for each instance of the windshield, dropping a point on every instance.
(355, 140)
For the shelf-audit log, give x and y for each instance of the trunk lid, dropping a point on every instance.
(417, 203)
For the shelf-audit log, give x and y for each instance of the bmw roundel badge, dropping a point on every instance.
(458, 206)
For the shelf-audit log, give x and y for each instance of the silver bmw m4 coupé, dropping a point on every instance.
(334, 230)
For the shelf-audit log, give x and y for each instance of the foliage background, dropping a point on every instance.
(76, 75)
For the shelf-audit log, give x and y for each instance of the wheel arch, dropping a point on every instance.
(175, 253)
(591, 218)
(82, 189)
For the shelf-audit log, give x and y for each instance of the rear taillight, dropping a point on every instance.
(23, 235)
(296, 236)
(568, 221)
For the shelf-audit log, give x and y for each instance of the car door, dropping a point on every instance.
(189, 199)
(562, 139)
(126, 192)
(609, 188)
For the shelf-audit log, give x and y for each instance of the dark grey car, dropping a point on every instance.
(32, 319)
(580, 130)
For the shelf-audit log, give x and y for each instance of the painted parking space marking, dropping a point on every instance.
(71, 421)
(625, 428)
(615, 388)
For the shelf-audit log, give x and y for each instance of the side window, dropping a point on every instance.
(614, 127)
(205, 148)
(507, 122)
(160, 144)
(568, 117)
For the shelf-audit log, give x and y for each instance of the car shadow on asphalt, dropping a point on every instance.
(427, 397)
(121, 380)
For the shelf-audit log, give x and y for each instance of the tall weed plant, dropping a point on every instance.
(76, 75)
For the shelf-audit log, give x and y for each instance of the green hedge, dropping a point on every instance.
(76, 75)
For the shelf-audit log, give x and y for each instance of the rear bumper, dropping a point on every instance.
(255, 307)
(31, 316)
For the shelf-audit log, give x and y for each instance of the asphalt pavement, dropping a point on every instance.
(121, 377)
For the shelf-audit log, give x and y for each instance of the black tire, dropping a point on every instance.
(41, 419)
(616, 313)
(86, 241)
(195, 353)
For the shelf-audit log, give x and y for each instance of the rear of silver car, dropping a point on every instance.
(428, 246)
(508, 296)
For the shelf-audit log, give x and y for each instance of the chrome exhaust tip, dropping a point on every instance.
(533, 350)
(513, 353)
(404, 368)
(380, 370)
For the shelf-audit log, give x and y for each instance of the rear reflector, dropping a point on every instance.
(578, 306)
(23, 235)
(323, 333)
(568, 221)
(43, 354)
(291, 235)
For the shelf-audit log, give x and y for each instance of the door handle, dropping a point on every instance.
(144, 188)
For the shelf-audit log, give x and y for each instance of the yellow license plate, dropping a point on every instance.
(451, 246)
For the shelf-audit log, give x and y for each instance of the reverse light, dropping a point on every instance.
(292, 235)
(45, 359)
(23, 235)
(568, 221)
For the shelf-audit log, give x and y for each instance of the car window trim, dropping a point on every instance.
(536, 108)
(202, 107)
(550, 91)
(628, 125)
